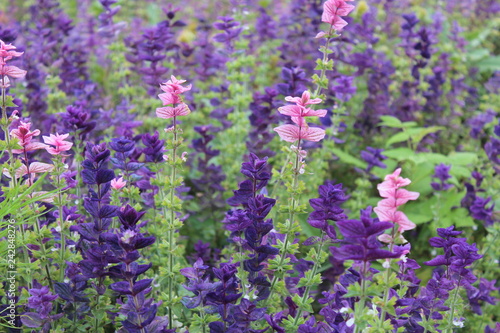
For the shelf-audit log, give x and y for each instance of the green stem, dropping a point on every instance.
(293, 205)
(317, 263)
(452, 310)
(170, 232)
(362, 299)
(325, 59)
(386, 281)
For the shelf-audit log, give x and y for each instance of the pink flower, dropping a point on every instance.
(35, 167)
(25, 135)
(292, 133)
(118, 183)
(170, 112)
(12, 71)
(7, 53)
(168, 98)
(173, 86)
(296, 111)
(59, 143)
(332, 12)
(304, 100)
(395, 196)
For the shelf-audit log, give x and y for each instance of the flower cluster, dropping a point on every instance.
(395, 196)
(172, 90)
(7, 53)
(300, 130)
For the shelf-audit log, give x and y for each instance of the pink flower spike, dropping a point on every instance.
(299, 111)
(174, 86)
(304, 100)
(6, 53)
(59, 143)
(332, 8)
(395, 196)
(169, 98)
(12, 71)
(24, 134)
(118, 183)
(170, 112)
(292, 133)
(392, 182)
(35, 167)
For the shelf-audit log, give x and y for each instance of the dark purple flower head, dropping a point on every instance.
(77, 118)
(411, 21)
(374, 158)
(154, 147)
(360, 239)
(295, 80)
(122, 145)
(41, 300)
(479, 210)
(492, 149)
(230, 28)
(344, 88)
(442, 173)
(129, 217)
(256, 170)
(265, 26)
(327, 208)
(478, 123)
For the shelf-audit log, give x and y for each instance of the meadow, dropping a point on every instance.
(250, 166)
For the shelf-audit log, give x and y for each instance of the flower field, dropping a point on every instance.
(250, 166)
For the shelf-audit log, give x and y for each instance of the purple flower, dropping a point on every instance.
(441, 172)
(360, 239)
(327, 208)
(230, 28)
(478, 123)
(344, 88)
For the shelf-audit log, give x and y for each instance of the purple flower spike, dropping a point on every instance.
(327, 208)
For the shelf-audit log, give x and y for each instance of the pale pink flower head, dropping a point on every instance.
(304, 100)
(395, 196)
(332, 12)
(292, 133)
(7, 53)
(391, 183)
(118, 183)
(174, 86)
(170, 112)
(297, 111)
(168, 98)
(24, 134)
(57, 140)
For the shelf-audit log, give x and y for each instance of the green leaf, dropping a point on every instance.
(390, 121)
(9, 101)
(461, 218)
(462, 158)
(398, 137)
(489, 64)
(417, 134)
(399, 154)
(347, 158)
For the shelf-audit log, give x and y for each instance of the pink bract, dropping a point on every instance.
(170, 112)
(118, 183)
(304, 100)
(292, 133)
(174, 86)
(57, 140)
(299, 111)
(395, 196)
(332, 12)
